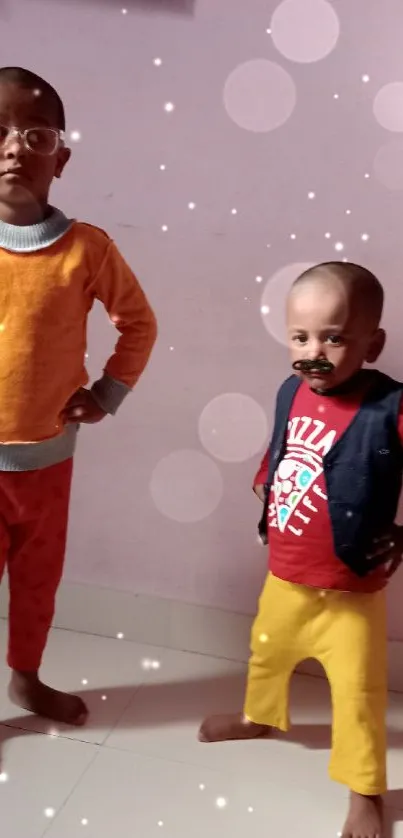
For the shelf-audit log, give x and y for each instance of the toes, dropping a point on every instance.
(202, 735)
(81, 719)
(80, 715)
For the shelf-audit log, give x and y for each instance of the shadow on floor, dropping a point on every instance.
(393, 811)
(190, 700)
(165, 703)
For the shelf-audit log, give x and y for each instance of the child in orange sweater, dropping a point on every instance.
(52, 269)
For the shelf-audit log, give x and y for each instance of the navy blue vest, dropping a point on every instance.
(363, 469)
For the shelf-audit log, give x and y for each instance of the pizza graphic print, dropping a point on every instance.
(298, 491)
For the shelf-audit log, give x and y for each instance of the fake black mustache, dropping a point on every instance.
(320, 365)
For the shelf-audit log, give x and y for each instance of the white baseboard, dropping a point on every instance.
(170, 624)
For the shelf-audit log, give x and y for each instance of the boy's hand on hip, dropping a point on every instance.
(83, 408)
(390, 549)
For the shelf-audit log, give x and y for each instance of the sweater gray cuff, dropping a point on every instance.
(109, 393)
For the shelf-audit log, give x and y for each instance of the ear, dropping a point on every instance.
(63, 157)
(376, 346)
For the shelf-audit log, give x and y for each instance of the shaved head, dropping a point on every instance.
(363, 290)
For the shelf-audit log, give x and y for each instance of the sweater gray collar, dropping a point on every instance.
(35, 236)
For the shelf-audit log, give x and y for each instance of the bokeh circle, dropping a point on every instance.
(186, 486)
(305, 32)
(259, 95)
(388, 106)
(233, 427)
(273, 300)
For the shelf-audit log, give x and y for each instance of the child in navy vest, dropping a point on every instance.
(330, 484)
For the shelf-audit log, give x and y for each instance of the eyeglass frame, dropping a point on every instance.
(22, 134)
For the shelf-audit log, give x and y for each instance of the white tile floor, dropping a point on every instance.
(137, 770)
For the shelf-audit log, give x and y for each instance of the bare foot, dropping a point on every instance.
(28, 692)
(365, 818)
(224, 728)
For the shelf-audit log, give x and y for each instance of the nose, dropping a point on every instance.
(315, 349)
(13, 146)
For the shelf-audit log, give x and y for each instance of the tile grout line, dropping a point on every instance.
(73, 789)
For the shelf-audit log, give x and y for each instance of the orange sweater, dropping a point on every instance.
(45, 299)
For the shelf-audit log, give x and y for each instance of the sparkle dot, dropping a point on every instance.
(164, 228)
(120, 635)
(234, 211)
(84, 822)
(259, 279)
(84, 682)
(124, 11)
(49, 813)
(169, 107)
(172, 349)
(191, 205)
(268, 245)
(104, 698)
(3, 777)
(339, 246)
(53, 732)
(157, 62)
(75, 136)
(263, 638)
(367, 175)
(86, 356)
(293, 236)
(202, 786)
(345, 259)
(162, 167)
(250, 809)
(365, 237)
(221, 802)
(265, 309)
(328, 235)
(150, 664)
(348, 212)
(160, 823)
(365, 78)
(349, 514)
(311, 195)
(268, 31)
(2, 327)
(37, 92)
(336, 96)
(321, 408)
(322, 594)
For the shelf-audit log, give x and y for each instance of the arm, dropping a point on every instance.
(261, 478)
(118, 289)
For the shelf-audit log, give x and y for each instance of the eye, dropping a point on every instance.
(301, 339)
(42, 140)
(335, 340)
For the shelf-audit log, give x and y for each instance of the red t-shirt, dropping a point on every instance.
(300, 534)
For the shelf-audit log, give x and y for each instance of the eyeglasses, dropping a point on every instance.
(43, 141)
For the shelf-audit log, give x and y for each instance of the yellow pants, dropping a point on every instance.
(346, 633)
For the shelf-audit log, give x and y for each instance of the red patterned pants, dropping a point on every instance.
(34, 508)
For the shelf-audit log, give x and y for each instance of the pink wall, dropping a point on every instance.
(162, 500)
